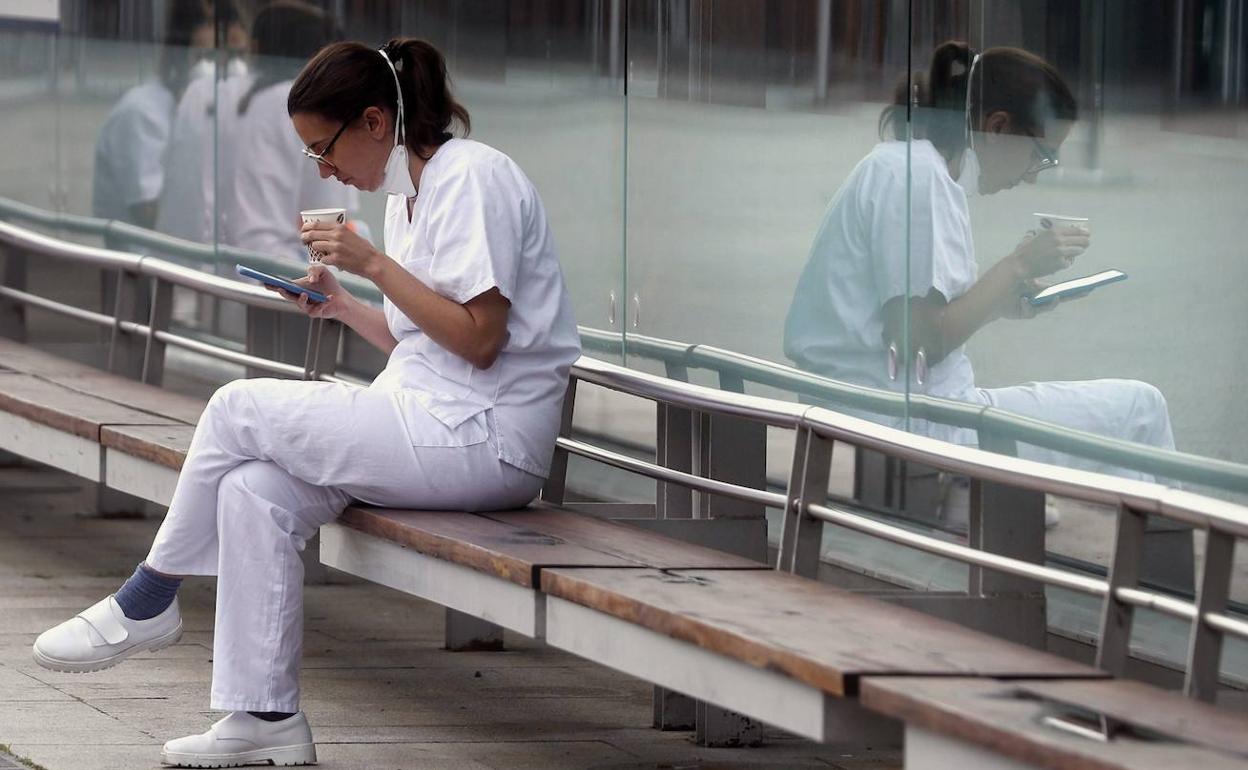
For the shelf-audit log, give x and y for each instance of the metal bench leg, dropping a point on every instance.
(673, 711)
(717, 727)
(465, 633)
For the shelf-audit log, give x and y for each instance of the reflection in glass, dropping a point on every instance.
(131, 144)
(875, 281)
(265, 178)
(188, 194)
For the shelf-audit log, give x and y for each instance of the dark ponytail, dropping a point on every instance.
(345, 79)
(1007, 80)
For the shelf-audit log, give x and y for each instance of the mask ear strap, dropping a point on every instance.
(398, 90)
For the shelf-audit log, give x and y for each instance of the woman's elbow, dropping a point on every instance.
(487, 353)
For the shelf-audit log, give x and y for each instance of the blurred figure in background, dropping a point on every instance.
(188, 197)
(130, 148)
(271, 181)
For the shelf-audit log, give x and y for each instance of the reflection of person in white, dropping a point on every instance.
(271, 180)
(982, 124)
(481, 338)
(131, 145)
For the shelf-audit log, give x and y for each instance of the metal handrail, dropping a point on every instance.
(1179, 466)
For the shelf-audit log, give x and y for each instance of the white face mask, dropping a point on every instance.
(968, 176)
(237, 67)
(398, 176)
(203, 68)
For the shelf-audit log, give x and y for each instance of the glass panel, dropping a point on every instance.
(1154, 169)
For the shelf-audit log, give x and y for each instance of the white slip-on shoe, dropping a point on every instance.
(101, 636)
(241, 739)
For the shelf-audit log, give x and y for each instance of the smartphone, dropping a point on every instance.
(1076, 286)
(281, 283)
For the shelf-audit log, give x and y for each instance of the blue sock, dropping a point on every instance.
(147, 593)
(271, 716)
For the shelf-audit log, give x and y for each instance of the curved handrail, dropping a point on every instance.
(1179, 466)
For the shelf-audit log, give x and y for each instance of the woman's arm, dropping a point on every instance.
(370, 323)
(939, 327)
(475, 331)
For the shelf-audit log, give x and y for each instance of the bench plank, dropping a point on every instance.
(641, 548)
(94, 382)
(67, 410)
(816, 633)
(503, 549)
(1154, 708)
(161, 444)
(991, 715)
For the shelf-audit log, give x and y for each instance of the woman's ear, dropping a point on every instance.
(375, 122)
(999, 122)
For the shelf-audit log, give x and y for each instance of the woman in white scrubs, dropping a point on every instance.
(982, 124)
(481, 338)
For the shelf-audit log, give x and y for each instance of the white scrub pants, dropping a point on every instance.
(1123, 409)
(273, 460)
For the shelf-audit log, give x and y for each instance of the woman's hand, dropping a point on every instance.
(1018, 306)
(1047, 251)
(338, 301)
(341, 247)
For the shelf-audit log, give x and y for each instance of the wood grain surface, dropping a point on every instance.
(68, 410)
(162, 444)
(640, 547)
(818, 634)
(1006, 718)
(509, 551)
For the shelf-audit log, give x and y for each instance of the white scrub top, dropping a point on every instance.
(200, 156)
(129, 151)
(478, 224)
(835, 325)
(273, 180)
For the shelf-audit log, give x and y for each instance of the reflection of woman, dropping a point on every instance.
(271, 181)
(981, 125)
(481, 337)
(188, 197)
(130, 147)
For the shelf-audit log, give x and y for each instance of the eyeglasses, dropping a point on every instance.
(321, 157)
(1043, 158)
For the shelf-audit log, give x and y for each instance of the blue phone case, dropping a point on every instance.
(281, 283)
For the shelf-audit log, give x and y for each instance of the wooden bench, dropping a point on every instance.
(1057, 725)
(788, 651)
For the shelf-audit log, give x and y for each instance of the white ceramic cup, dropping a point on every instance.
(338, 216)
(1061, 222)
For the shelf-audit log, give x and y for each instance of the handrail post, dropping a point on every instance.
(262, 336)
(555, 488)
(801, 536)
(1204, 650)
(130, 303)
(1117, 616)
(674, 448)
(13, 276)
(1009, 521)
(161, 312)
(320, 354)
